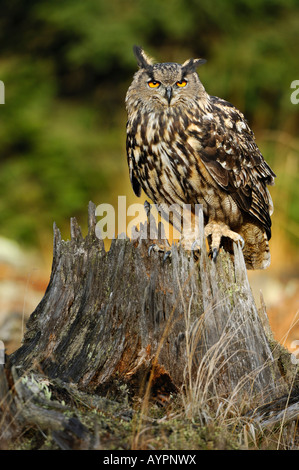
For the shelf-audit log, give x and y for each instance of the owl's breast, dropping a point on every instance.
(166, 162)
(164, 159)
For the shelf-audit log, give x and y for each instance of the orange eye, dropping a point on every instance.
(153, 84)
(181, 83)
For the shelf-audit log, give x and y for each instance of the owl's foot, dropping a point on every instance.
(160, 249)
(217, 230)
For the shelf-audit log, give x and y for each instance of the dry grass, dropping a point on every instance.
(199, 417)
(211, 420)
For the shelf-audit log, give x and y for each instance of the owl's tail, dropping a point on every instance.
(256, 250)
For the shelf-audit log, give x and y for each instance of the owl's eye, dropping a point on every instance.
(181, 83)
(153, 84)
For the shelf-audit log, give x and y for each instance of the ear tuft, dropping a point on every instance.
(199, 62)
(191, 65)
(143, 60)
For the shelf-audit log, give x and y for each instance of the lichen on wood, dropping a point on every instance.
(117, 313)
(123, 323)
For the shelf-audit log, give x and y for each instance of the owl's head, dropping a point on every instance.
(164, 85)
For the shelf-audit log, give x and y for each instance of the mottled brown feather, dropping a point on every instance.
(198, 148)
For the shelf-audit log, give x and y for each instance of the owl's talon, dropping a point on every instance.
(151, 248)
(214, 254)
(166, 256)
(155, 247)
(242, 242)
(195, 249)
(147, 208)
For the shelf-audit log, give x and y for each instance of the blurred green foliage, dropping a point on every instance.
(66, 67)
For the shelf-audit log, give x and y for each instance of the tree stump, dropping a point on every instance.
(125, 316)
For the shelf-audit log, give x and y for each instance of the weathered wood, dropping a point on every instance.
(122, 324)
(27, 403)
(123, 315)
(279, 412)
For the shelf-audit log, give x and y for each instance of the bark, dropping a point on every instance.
(127, 316)
(121, 324)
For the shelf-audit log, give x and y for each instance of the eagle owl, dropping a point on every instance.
(185, 146)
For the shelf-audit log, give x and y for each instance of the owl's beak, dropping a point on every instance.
(168, 93)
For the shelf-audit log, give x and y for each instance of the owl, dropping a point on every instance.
(186, 147)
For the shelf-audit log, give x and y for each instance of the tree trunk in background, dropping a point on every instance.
(125, 316)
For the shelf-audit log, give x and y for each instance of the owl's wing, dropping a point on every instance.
(231, 156)
(130, 158)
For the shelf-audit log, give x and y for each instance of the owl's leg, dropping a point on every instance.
(217, 230)
(157, 247)
(191, 236)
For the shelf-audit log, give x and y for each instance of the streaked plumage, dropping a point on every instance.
(191, 148)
